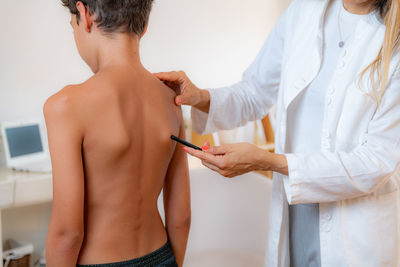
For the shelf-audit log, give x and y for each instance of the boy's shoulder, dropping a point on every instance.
(69, 103)
(61, 111)
(63, 101)
(75, 96)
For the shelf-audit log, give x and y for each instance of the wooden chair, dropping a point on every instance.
(199, 140)
(268, 130)
(270, 137)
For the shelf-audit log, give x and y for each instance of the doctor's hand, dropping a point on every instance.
(187, 93)
(236, 159)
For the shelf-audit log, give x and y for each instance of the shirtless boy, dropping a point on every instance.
(111, 151)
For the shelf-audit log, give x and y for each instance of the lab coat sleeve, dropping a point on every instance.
(333, 176)
(252, 98)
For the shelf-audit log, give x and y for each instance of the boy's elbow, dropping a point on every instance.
(182, 221)
(186, 220)
(66, 242)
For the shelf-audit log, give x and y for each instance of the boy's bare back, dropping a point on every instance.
(126, 116)
(129, 117)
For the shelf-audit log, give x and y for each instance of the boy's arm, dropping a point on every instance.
(66, 228)
(177, 201)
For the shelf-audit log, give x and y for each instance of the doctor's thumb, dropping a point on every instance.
(217, 150)
(181, 100)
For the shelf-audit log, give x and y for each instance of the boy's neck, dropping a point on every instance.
(119, 49)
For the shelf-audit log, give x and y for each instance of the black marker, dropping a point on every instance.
(185, 143)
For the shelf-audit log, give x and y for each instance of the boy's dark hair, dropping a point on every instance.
(125, 16)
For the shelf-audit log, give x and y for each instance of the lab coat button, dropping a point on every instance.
(326, 144)
(328, 216)
(331, 90)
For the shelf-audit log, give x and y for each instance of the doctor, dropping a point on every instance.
(332, 69)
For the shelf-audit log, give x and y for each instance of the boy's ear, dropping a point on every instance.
(85, 16)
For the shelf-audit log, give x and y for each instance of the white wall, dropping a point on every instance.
(212, 40)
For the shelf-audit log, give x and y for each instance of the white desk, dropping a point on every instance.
(21, 189)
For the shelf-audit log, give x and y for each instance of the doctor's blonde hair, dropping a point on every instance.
(379, 68)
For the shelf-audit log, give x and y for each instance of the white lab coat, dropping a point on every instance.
(356, 176)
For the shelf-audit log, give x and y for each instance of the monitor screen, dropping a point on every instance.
(24, 140)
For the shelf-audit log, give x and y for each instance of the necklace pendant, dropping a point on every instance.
(341, 44)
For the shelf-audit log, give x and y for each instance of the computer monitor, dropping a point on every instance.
(23, 143)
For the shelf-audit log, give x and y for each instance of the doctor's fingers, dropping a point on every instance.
(174, 86)
(204, 156)
(206, 145)
(225, 173)
(218, 150)
(187, 92)
(210, 166)
(172, 76)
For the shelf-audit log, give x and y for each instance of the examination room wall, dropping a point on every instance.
(214, 41)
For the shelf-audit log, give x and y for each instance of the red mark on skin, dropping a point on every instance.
(185, 148)
(179, 100)
(205, 147)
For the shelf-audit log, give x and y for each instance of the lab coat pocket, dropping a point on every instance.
(358, 111)
(371, 230)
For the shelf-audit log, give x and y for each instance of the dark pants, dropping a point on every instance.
(162, 257)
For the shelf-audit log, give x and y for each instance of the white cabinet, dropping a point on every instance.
(6, 192)
(30, 190)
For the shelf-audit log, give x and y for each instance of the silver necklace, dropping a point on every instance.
(341, 41)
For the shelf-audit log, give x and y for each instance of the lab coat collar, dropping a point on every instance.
(306, 75)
